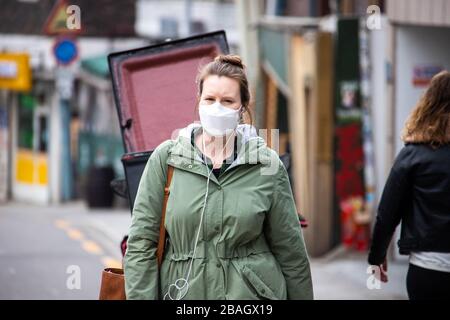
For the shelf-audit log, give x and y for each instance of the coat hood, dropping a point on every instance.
(251, 148)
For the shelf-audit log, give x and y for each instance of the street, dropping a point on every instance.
(43, 248)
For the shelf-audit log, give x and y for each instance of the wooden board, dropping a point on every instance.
(297, 123)
(310, 116)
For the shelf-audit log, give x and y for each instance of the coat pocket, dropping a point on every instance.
(258, 285)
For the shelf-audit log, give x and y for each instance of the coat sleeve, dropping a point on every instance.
(285, 238)
(390, 211)
(140, 262)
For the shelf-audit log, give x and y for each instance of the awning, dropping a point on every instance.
(97, 66)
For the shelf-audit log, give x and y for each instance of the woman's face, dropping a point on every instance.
(221, 89)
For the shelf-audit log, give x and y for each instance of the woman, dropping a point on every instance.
(417, 193)
(232, 225)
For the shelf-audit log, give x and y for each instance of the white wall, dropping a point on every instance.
(40, 47)
(415, 45)
(215, 16)
(380, 105)
(419, 12)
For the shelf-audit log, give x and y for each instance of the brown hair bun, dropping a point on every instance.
(234, 60)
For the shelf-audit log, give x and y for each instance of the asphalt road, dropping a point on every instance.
(53, 253)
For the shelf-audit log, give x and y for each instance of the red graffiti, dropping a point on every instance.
(350, 162)
(350, 184)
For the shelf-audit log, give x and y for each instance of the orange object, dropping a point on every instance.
(355, 222)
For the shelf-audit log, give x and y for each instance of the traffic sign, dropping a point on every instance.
(15, 71)
(65, 51)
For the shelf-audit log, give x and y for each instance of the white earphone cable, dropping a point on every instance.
(182, 284)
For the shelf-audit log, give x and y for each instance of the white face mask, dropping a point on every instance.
(218, 120)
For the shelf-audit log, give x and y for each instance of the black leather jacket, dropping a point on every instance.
(417, 192)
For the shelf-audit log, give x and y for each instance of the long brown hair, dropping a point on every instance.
(230, 66)
(429, 122)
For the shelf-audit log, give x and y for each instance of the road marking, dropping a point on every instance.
(88, 245)
(109, 262)
(75, 234)
(91, 247)
(62, 224)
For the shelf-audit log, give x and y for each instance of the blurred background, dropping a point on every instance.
(336, 78)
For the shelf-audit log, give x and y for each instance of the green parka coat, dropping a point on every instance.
(250, 246)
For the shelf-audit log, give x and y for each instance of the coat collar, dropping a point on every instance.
(251, 149)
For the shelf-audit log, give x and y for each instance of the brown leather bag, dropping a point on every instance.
(113, 280)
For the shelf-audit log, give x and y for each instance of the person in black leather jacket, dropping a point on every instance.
(417, 193)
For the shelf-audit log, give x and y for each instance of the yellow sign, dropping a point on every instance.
(15, 71)
(31, 167)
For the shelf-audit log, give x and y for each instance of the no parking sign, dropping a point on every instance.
(65, 51)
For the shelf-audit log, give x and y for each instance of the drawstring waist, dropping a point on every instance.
(223, 250)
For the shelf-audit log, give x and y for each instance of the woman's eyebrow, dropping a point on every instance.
(211, 95)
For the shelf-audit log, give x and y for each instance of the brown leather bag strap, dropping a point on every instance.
(162, 229)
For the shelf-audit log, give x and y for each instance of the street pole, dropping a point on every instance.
(64, 84)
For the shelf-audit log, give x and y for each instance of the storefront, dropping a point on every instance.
(31, 161)
(23, 132)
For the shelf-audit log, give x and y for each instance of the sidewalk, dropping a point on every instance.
(342, 275)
